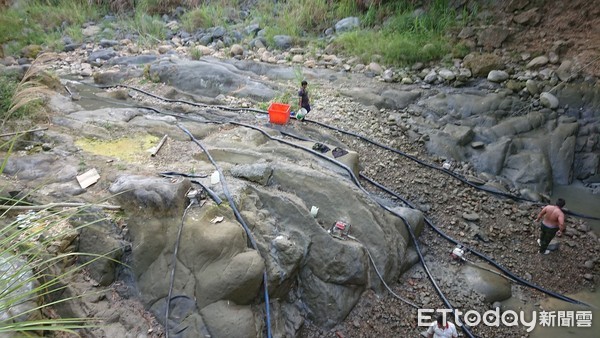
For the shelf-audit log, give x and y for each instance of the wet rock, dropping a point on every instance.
(493, 287)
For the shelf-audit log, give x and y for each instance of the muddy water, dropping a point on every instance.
(564, 331)
(581, 200)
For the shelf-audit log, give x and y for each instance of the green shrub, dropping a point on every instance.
(205, 16)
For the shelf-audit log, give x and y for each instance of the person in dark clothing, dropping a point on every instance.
(304, 101)
(553, 223)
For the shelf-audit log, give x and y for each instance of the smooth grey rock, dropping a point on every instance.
(491, 286)
(133, 60)
(259, 173)
(529, 169)
(347, 24)
(226, 319)
(462, 134)
(218, 32)
(108, 43)
(282, 41)
(102, 54)
(252, 29)
(532, 87)
(497, 76)
(548, 100)
(477, 145)
(431, 77)
(473, 217)
(150, 195)
(446, 74)
(537, 62)
(19, 303)
(481, 64)
(566, 71)
(211, 78)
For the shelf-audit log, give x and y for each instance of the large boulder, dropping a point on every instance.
(481, 64)
(150, 195)
(211, 78)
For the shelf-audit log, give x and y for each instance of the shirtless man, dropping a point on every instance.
(553, 223)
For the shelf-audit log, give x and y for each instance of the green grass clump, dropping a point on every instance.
(151, 29)
(404, 38)
(205, 16)
(44, 22)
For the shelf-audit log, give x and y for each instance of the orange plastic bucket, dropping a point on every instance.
(279, 113)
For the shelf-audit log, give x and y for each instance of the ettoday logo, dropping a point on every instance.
(494, 318)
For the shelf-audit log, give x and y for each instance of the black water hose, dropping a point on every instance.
(475, 252)
(364, 138)
(240, 220)
(441, 233)
(443, 170)
(356, 181)
(209, 191)
(174, 263)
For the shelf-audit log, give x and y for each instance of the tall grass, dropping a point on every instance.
(150, 29)
(43, 22)
(404, 37)
(28, 91)
(36, 263)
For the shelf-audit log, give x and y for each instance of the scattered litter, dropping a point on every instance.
(340, 230)
(88, 178)
(314, 211)
(215, 178)
(320, 148)
(217, 219)
(154, 150)
(446, 165)
(337, 152)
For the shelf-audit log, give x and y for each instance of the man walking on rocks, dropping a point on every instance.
(553, 223)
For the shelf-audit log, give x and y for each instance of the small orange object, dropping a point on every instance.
(279, 113)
